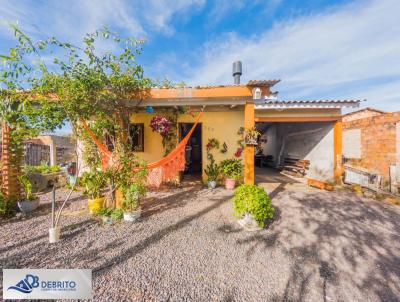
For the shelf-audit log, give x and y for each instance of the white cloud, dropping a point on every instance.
(72, 19)
(159, 13)
(355, 43)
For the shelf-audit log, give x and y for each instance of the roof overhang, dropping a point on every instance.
(211, 95)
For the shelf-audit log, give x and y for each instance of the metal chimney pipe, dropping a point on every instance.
(237, 71)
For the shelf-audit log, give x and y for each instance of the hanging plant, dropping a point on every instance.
(213, 143)
(167, 127)
(224, 148)
(161, 125)
(251, 136)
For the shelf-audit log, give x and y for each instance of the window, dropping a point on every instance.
(136, 132)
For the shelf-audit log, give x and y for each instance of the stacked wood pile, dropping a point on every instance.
(295, 167)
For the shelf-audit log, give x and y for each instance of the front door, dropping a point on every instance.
(193, 148)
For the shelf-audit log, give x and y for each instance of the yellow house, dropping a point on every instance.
(305, 130)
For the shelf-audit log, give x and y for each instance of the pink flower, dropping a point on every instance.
(161, 125)
(238, 152)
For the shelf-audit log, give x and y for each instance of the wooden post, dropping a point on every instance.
(337, 151)
(8, 171)
(249, 149)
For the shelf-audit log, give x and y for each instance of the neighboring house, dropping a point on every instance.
(304, 129)
(373, 144)
(362, 113)
(53, 149)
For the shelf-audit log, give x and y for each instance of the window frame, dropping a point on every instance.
(134, 148)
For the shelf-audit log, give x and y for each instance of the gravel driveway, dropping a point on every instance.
(324, 246)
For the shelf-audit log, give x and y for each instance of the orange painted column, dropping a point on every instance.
(337, 150)
(249, 149)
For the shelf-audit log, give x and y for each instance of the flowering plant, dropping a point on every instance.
(161, 125)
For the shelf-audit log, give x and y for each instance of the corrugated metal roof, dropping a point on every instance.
(310, 101)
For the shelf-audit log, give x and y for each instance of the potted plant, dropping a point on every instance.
(94, 182)
(253, 206)
(30, 202)
(251, 136)
(130, 202)
(232, 170)
(110, 215)
(212, 171)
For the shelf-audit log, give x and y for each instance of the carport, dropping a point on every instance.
(301, 138)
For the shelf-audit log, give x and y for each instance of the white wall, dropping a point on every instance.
(271, 146)
(310, 141)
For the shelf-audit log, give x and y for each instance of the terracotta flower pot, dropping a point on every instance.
(230, 183)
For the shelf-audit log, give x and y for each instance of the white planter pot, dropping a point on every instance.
(248, 223)
(131, 216)
(54, 234)
(212, 184)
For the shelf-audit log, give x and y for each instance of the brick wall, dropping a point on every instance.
(378, 142)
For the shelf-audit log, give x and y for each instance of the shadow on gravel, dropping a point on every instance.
(153, 239)
(42, 210)
(68, 232)
(329, 235)
(156, 205)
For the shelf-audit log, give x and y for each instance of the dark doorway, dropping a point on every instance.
(193, 148)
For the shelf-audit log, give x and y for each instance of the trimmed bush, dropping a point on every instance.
(254, 200)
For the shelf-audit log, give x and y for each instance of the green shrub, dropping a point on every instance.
(43, 168)
(7, 206)
(254, 200)
(231, 168)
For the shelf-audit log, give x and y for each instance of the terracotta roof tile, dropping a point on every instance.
(262, 83)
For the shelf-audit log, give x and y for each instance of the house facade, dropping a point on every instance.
(304, 130)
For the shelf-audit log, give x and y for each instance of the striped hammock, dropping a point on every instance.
(164, 170)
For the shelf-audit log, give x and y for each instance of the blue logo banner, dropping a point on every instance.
(47, 284)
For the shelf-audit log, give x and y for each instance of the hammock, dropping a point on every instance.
(166, 169)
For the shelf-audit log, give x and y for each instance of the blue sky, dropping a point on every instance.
(320, 49)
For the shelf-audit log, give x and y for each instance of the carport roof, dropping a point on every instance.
(275, 103)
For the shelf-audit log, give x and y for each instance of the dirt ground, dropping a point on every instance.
(323, 246)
